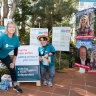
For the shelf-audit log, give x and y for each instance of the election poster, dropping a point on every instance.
(85, 4)
(27, 64)
(34, 33)
(61, 38)
(85, 24)
(87, 43)
(92, 64)
(83, 51)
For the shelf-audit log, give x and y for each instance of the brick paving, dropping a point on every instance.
(67, 82)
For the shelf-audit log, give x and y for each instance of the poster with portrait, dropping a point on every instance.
(83, 50)
(85, 24)
(85, 4)
(92, 64)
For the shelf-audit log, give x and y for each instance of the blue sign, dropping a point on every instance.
(2, 29)
(28, 73)
(87, 0)
(84, 42)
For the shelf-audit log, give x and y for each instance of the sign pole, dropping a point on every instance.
(59, 59)
(39, 25)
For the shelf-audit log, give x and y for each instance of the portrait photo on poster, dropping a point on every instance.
(83, 49)
(92, 64)
(85, 24)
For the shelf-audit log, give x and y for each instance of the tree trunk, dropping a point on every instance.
(33, 21)
(12, 9)
(0, 16)
(5, 10)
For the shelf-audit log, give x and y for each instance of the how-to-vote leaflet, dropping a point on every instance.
(34, 33)
(27, 64)
(61, 38)
(85, 4)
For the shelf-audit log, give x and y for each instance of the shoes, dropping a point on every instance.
(18, 89)
(45, 83)
(50, 84)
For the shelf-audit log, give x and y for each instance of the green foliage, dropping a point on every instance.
(46, 13)
(67, 58)
(24, 38)
(21, 18)
(4, 71)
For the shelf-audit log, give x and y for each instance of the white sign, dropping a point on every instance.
(85, 4)
(6, 21)
(61, 38)
(34, 33)
(27, 55)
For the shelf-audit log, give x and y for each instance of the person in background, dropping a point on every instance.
(8, 42)
(84, 28)
(46, 58)
(82, 58)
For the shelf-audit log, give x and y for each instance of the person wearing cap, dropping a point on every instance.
(46, 58)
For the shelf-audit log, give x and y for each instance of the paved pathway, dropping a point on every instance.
(67, 82)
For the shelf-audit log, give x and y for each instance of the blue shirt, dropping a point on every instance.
(49, 48)
(8, 44)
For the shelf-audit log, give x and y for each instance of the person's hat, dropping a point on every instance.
(43, 35)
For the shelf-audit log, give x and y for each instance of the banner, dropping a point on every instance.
(82, 66)
(61, 38)
(85, 4)
(27, 64)
(85, 24)
(34, 33)
(84, 42)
